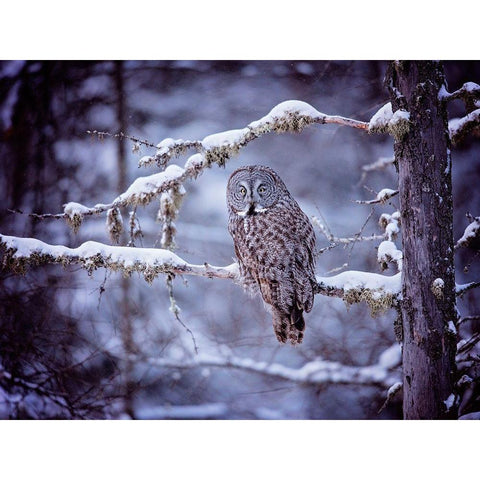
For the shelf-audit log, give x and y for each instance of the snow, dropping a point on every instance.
(355, 280)
(392, 230)
(381, 119)
(452, 328)
(472, 231)
(122, 255)
(391, 357)
(388, 252)
(165, 145)
(285, 108)
(394, 389)
(227, 138)
(399, 116)
(443, 93)
(471, 87)
(455, 125)
(385, 194)
(194, 161)
(449, 402)
(184, 412)
(143, 188)
(72, 209)
(317, 371)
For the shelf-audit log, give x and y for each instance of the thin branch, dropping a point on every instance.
(342, 240)
(316, 372)
(466, 345)
(121, 136)
(468, 318)
(175, 309)
(382, 197)
(460, 290)
(379, 164)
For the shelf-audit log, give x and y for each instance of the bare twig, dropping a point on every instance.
(121, 136)
(462, 289)
(342, 240)
(174, 308)
(468, 318)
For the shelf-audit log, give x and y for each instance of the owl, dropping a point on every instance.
(274, 243)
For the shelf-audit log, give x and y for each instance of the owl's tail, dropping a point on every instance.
(289, 328)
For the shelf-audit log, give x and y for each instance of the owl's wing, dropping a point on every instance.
(304, 263)
(235, 228)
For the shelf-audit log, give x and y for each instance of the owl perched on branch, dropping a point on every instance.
(274, 244)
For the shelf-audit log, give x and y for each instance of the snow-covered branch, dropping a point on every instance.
(459, 127)
(460, 290)
(379, 164)
(288, 116)
(316, 372)
(381, 197)
(150, 262)
(471, 235)
(378, 291)
(468, 91)
(342, 240)
(395, 123)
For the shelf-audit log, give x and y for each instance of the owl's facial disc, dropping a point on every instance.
(252, 200)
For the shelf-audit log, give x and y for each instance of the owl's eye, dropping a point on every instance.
(243, 191)
(261, 189)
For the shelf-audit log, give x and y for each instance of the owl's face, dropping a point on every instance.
(253, 190)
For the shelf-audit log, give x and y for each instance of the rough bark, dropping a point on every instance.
(424, 166)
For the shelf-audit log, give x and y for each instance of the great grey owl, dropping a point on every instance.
(274, 243)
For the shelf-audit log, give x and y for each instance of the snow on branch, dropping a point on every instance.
(288, 116)
(379, 164)
(316, 372)
(459, 127)
(468, 91)
(460, 290)
(378, 291)
(395, 123)
(471, 235)
(150, 262)
(382, 197)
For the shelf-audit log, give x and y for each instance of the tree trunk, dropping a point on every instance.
(428, 278)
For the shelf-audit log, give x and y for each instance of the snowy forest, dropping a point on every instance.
(119, 292)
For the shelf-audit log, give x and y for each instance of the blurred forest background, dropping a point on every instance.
(65, 336)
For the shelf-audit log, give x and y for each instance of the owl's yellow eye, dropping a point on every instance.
(243, 191)
(261, 189)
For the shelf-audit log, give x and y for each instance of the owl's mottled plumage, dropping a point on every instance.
(274, 244)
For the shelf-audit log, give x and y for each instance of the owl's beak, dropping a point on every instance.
(255, 208)
(251, 209)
